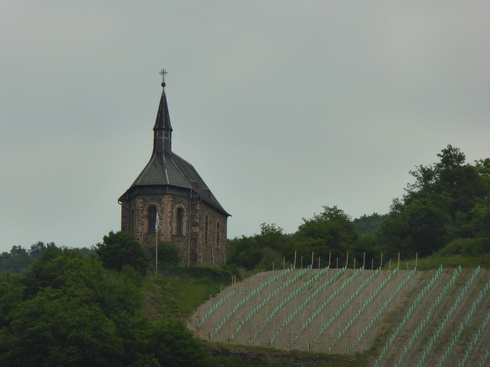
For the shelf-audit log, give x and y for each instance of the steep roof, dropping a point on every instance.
(166, 169)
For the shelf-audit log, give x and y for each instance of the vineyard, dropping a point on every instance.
(396, 317)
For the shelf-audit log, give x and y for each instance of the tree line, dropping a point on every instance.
(445, 211)
(73, 308)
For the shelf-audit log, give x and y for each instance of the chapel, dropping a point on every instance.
(169, 201)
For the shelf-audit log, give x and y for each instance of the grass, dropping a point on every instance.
(434, 261)
(192, 292)
(447, 261)
(248, 356)
(178, 297)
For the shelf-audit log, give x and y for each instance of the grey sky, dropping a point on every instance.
(282, 106)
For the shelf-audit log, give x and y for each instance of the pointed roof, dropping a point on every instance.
(162, 122)
(167, 172)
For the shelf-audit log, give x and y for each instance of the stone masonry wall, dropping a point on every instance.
(197, 243)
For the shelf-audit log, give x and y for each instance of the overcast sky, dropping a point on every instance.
(281, 106)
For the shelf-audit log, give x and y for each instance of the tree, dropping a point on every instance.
(329, 231)
(67, 310)
(369, 224)
(264, 249)
(173, 345)
(17, 261)
(56, 329)
(244, 252)
(119, 249)
(448, 200)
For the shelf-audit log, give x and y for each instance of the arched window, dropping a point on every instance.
(206, 229)
(152, 219)
(218, 235)
(180, 221)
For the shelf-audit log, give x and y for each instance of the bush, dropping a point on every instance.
(168, 254)
(467, 246)
(119, 249)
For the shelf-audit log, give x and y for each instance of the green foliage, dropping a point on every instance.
(173, 345)
(231, 355)
(369, 224)
(271, 245)
(244, 252)
(11, 294)
(467, 247)
(451, 261)
(218, 274)
(168, 254)
(18, 260)
(57, 329)
(183, 289)
(330, 231)
(448, 200)
(67, 310)
(119, 249)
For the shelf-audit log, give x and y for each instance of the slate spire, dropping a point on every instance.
(162, 131)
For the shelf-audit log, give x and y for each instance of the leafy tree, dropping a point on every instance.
(272, 236)
(270, 259)
(11, 294)
(244, 252)
(67, 310)
(56, 329)
(173, 345)
(18, 260)
(271, 245)
(119, 249)
(369, 224)
(467, 247)
(61, 268)
(329, 231)
(448, 200)
(38, 248)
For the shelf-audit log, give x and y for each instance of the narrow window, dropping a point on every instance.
(180, 221)
(218, 235)
(152, 219)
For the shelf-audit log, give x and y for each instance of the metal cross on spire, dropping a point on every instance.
(163, 72)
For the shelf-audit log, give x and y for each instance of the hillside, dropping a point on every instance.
(394, 317)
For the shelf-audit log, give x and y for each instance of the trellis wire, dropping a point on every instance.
(408, 314)
(324, 304)
(425, 321)
(385, 305)
(267, 299)
(247, 298)
(461, 327)
(474, 341)
(435, 336)
(296, 311)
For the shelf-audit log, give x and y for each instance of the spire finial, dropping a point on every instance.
(163, 72)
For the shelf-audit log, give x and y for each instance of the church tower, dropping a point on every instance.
(170, 202)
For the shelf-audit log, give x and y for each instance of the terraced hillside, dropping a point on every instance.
(398, 317)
